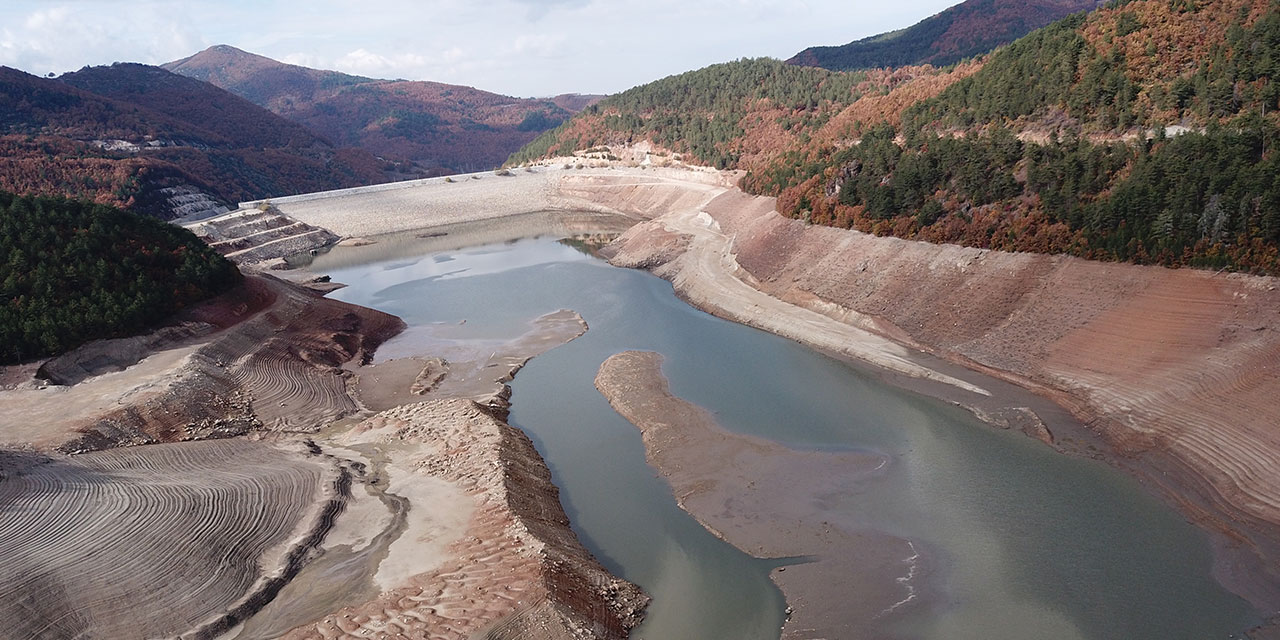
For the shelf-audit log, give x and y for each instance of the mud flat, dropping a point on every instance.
(766, 499)
(154, 541)
(224, 479)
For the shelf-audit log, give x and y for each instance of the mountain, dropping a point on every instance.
(158, 143)
(440, 128)
(258, 79)
(1144, 131)
(228, 118)
(968, 29)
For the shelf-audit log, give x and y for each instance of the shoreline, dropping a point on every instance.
(264, 364)
(774, 490)
(1019, 335)
(701, 232)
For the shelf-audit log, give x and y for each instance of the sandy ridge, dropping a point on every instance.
(517, 567)
(775, 496)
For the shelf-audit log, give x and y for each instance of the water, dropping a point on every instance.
(1025, 542)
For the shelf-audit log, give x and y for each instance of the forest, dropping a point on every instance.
(1145, 131)
(701, 112)
(74, 271)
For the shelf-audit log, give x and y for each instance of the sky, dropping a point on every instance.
(526, 48)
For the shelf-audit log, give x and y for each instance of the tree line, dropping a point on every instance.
(73, 271)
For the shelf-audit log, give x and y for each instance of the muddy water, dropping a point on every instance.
(1014, 540)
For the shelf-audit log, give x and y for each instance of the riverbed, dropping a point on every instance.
(1015, 539)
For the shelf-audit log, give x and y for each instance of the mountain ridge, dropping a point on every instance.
(1144, 132)
(962, 31)
(145, 150)
(438, 127)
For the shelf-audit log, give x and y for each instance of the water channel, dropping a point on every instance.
(1024, 542)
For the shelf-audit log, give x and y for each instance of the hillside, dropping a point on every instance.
(158, 143)
(98, 272)
(1143, 132)
(440, 128)
(238, 122)
(968, 29)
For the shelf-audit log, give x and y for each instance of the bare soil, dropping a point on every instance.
(1174, 370)
(446, 525)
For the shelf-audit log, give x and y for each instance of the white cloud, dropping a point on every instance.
(517, 47)
(65, 37)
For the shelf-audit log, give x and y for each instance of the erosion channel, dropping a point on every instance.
(992, 533)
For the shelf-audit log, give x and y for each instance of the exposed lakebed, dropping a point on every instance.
(1015, 539)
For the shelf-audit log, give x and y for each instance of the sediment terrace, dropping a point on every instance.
(446, 527)
(151, 541)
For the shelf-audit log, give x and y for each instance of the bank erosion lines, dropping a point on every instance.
(708, 275)
(518, 571)
(151, 541)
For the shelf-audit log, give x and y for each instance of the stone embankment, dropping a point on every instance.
(256, 236)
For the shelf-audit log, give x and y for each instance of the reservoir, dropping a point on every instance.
(1023, 542)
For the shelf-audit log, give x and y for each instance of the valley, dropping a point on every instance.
(968, 329)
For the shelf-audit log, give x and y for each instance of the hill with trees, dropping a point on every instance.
(143, 138)
(1144, 131)
(968, 29)
(439, 128)
(74, 271)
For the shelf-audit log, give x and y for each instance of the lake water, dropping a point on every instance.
(1025, 542)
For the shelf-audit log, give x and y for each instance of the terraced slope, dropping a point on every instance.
(277, 365)
(249, 236)
(152, 541)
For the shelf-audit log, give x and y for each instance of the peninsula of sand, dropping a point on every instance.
(375, 497)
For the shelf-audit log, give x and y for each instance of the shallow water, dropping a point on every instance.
(1022, 542)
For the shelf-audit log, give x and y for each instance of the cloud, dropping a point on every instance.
(68, 36)
(365, 62)
(538, 9)
(517, 47)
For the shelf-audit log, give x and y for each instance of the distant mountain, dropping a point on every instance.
(439, 127)
(963, 31)
(1143, 131)
(232, 120)
(258, 79)
(158, 143)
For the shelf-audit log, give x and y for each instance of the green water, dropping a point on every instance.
(1020, 542)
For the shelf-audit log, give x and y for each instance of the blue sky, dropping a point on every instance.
(515, 47)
